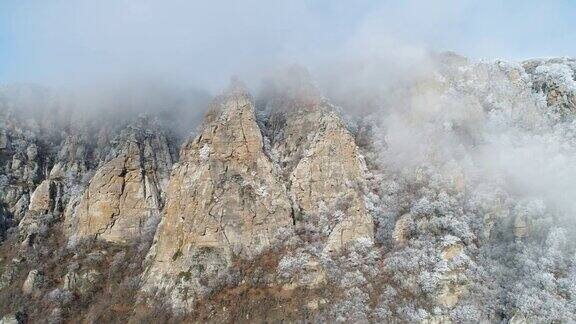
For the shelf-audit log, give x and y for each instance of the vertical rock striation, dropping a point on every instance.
(125, 195)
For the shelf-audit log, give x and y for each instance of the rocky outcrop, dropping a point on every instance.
(453, 287)
(224, 200)
(520, 227)
(331, 175)
(74, 157)
(261, 212)
(32, 282)
(70, 281)
(321, 162)
(11, 319)
(554, 78)
(21, 165)
(125, 195)
(402, 228)
(46, 197)
(83, 283)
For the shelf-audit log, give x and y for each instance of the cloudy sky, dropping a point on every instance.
(203, 43)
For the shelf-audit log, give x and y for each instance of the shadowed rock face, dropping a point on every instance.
(225, 198)
(124, 198)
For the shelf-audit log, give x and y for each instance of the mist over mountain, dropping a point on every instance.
(286, 162)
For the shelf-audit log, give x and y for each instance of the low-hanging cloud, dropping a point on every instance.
(358, 52)
(204, 43)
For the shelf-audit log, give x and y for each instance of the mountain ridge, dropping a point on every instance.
(404, 213)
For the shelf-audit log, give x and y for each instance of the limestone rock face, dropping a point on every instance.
(331, 174)
(45, 197)
(453, 287)
(224, 199)
(87, 281)
(70, 281)
(32, 281)
(82, 283)
(452, 251)
(124, 197)
(322, 163)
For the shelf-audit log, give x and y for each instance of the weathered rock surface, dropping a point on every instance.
(124, 198)
(402, 228)
(70, 281)
(225, 199)
(320, 160)
(331, 175)
(83, 283)
(10, 319)
(520, 227)
(74, 157)
(45, 197)
(32, 282)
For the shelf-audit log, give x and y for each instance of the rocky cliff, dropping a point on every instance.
(126, 194)
(286, 207)
(321, 162)
(224, 200)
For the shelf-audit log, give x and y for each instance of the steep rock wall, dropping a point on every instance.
(224, 200)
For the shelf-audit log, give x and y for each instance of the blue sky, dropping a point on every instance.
(59, 41)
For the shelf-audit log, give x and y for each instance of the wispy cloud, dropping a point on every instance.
(58, 41)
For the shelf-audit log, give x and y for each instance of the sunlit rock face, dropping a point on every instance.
(125, 195)
(246, 183)
(45, 197)
(225, 199)
(320, 160)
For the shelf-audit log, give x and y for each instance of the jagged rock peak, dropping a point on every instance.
(321, 163)
(224, 199)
